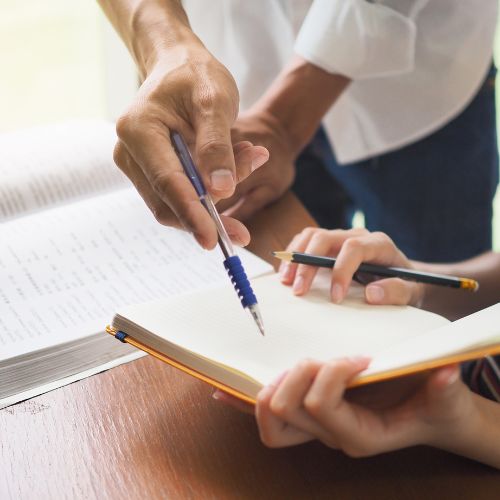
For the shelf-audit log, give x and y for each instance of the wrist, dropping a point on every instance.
(474, 434)
(158, 31)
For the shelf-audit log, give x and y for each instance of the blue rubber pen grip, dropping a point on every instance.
(187, 163)
(240, 281)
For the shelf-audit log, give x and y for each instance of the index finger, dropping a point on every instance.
(153, 152)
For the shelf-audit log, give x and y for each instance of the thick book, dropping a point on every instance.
(208, 335)
(76, 243)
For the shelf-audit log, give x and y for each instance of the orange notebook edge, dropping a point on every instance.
(184, 368)
(368, 379)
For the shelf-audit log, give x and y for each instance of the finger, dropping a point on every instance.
(298, 244)
(289, 394)
(248, 158)
(236, 231)
(393, 291)
(253, 201)
(327, 389)
(371, 247)
(214, 151)
(151, 149)
(234, 402)
(325, 400)
(287, 401)
(444, 383)
(274, 432)
(129, 167)
(319, 244)
(240, 146)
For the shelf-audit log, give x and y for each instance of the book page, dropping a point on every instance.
(474, 331)
(46, 166)
(215, 326)
(66, 270)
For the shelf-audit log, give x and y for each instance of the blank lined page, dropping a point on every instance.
(214, 325)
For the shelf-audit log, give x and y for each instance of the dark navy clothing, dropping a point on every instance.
(433, 197)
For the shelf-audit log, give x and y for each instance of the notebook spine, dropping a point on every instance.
(121, 336)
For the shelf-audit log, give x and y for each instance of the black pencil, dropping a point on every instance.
(382, 271)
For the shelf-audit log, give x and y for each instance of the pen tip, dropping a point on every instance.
(254, 310)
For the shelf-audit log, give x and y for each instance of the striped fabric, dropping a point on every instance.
(483, 376)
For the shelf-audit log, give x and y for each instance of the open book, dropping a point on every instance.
(207, 334)
(76, 243)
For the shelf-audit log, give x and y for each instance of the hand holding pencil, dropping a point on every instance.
(400, 283)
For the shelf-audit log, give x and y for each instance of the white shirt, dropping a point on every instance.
(415, 64)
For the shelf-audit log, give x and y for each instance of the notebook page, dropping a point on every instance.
(64, 271)
(474, 331)
(46, 166)
(215, 326)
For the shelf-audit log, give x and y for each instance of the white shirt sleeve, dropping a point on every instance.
(359, 39)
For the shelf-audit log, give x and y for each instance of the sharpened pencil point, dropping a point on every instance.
(283, 255)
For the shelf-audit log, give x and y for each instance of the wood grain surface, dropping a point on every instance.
(146, 430)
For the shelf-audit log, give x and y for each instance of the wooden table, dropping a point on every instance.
(146, 430)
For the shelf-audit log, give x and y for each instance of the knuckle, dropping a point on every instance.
(215, 147)
(318, 236)
(162, 214)
(313, 405)
(161, 181)
(119, 153)
(279, 408)
(353, 244)
(306, 366)
(379, 235)
(125, 125)
(308, 232)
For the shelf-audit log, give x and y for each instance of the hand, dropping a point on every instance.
(271, 181)
(187, 90)
(351, 248)
(308, 403)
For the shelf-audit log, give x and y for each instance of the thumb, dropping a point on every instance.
(394, 291)
(444, 386)
(214, 154)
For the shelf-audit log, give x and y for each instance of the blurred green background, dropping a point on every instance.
(55, 59)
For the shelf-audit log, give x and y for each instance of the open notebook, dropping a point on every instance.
(76, 243)
(207, 334)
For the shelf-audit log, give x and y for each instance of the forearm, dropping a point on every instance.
(299, 98)
(149, 28)
(453, 303)
(479, 438)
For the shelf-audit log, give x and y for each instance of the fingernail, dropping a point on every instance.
(235, 238)
(375, 294)
(222, 180)
(337, 293)
(298, 285)
(216, 395)
(258, 162)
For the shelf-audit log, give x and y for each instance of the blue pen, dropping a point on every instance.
(232, 262)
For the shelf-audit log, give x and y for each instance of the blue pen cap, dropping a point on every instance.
(240, 281)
